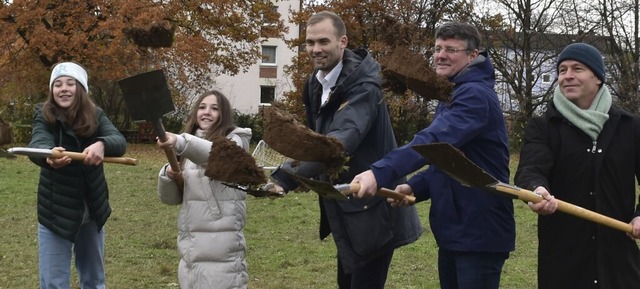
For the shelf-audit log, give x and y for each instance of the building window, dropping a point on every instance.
(274, 11)
(271, 22)
(268, 55)
(267, 94)
(546, 78)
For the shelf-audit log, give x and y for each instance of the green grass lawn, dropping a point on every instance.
(282, 236)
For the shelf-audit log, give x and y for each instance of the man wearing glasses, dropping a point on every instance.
(474, 229)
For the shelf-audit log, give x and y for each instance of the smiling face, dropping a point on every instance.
(208, 112)
(64, 91)
(324, 46)
(452, 57)
(578, 83)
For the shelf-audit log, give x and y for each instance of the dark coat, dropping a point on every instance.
(463, 219)
(357, 116)
(601, 176)
(63, 192)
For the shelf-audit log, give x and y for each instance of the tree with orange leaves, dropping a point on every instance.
(192, 40)
(384, 27)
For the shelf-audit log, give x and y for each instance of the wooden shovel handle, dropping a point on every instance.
(175, 166)
(171, 157)
(384, 192)
(565, 207)
(80, 157)
(173, 160)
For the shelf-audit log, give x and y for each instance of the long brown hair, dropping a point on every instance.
(81, 115)
(225, 123)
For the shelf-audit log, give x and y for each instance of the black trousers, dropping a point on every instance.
(372, 275)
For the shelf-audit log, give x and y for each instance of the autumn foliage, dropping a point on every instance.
(383, 27)
(205, 38)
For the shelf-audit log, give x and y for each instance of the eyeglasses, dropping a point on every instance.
(448, 50)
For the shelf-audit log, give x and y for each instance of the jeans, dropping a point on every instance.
(372, 275)
(54, 254)
(470, 270)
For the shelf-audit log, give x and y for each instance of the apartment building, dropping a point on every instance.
(265, 81)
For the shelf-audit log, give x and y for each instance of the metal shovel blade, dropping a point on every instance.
(32, 152)
(453, 162)
(324, 189)
(260, 192)
(147, 95)
(148, 98)
(341, 191)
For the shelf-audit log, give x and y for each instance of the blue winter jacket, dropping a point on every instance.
(462, 218)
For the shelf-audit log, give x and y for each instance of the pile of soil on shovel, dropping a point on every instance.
(230, 163)
(404, 69)
(287, 136)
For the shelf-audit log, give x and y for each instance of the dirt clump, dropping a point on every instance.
(284, 134)
(230, 163)
(155, 35)
(404, 69)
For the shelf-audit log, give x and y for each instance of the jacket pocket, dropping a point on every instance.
(367, 223)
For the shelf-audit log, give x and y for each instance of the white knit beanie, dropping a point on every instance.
(72, 70)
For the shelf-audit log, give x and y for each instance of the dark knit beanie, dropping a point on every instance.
(585, 54)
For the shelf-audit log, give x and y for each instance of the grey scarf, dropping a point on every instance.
(591, 120)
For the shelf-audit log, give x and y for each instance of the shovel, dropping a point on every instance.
(261, 192)
(148, 98)
(340, 192)
(46, 153)
(455, 164)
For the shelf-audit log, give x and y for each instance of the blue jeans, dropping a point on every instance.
(54, 254)
(470, 270)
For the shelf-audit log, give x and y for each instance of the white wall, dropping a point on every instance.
(243, 89)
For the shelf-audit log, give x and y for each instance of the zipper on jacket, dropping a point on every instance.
(593, 148)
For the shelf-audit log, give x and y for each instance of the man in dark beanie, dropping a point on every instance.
(585, 54)
(585, 151)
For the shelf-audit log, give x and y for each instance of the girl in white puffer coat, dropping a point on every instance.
(211, 242)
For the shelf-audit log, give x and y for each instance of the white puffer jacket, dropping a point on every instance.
(210, 238)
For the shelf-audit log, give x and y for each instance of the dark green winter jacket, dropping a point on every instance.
(63, 192)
